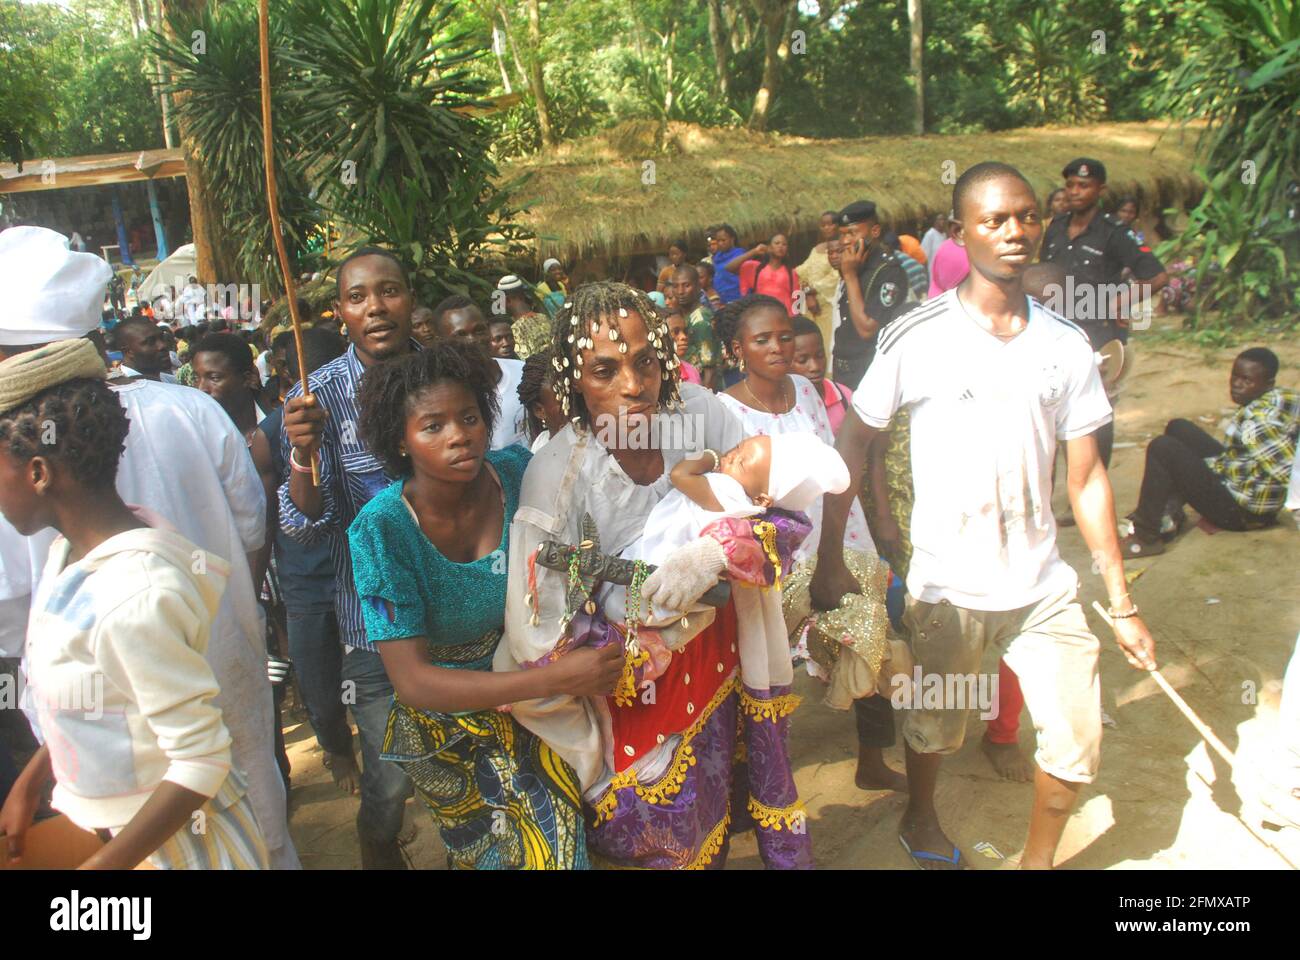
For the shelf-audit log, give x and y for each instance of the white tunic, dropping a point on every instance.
(186, 461)
(512, 419)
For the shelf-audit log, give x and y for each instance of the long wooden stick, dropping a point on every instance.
(1201, 726)
(273, 202)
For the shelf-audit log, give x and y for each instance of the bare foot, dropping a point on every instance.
(1008, 761)
(923, 835)
(343, 767)
(873, 774)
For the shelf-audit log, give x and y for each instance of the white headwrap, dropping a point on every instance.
(804, 468)
(51, 292)
(510, 282)
(551, 262)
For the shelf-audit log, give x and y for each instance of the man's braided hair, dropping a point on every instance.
(78, 424)
(578, 322)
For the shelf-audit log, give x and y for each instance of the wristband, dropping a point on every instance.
(1133, 612)
(717, 461)
(293, 462)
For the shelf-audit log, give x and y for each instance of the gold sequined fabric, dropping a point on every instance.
(898, 479)
(860, 623)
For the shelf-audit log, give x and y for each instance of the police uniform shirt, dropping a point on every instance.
(884, 293)
(1097, 257)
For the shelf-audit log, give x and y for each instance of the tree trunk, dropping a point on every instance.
(667, 42)
(510, 42)
(918, 71)
(215, 259)
(535, 73)
(775, 16)
(718, 39)
(499, 48)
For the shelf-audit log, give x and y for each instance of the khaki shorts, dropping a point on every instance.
(1051, 650)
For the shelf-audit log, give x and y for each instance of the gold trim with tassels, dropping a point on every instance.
(774, 818)
(773, 709)
(765, 534)
(670, 784)
(712, 843)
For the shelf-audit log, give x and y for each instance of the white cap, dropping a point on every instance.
(803, 468)
(552, 262)
(510, 282)
(51, 291)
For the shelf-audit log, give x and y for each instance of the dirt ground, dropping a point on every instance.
(1224, 613)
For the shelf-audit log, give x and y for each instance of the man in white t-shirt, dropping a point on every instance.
(459, 317)
(993, 381)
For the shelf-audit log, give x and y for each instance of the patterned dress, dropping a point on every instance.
(502, 798)
(702, 349)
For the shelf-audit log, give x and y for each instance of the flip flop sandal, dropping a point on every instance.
(1134, 549)
(924, 855)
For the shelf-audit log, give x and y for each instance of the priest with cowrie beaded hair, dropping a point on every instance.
(656, 761)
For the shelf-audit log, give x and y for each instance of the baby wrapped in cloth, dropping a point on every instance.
(759, 490)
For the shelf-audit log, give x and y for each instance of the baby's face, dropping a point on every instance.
(749, 463)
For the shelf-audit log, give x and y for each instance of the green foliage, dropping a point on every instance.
(28, 103)
(367, 140)
(221, 110)
(1050, 69)
(1243, 78)
(74, 81)
(1247, 265)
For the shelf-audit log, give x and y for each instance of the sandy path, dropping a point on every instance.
(1148, 808)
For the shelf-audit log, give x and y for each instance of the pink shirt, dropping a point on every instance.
(778, 282)
(837, 398)
(949, 267)
(689, 373)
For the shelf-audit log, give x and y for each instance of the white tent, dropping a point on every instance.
(173, 272)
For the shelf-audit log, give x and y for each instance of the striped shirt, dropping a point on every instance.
(349, 476)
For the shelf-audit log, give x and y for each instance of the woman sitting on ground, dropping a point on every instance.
(429, 556)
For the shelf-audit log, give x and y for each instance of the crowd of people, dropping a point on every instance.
(558, 555)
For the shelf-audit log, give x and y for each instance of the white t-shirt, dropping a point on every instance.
(985, 420)
(512, 421)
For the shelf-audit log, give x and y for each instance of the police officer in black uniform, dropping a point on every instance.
(1095, 248)
(875, 291)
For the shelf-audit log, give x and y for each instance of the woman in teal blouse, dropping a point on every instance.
(429, 559)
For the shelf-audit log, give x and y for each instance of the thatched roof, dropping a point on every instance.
(589, 199)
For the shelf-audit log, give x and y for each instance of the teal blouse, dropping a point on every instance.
(456, 606)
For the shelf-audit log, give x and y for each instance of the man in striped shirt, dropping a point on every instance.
(375, 303)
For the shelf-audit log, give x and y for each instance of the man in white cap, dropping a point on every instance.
(184, 460)
(514, 299)
(554, 287)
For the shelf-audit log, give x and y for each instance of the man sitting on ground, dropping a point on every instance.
(1239, 484)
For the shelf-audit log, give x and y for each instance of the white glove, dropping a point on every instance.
(684, 577)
